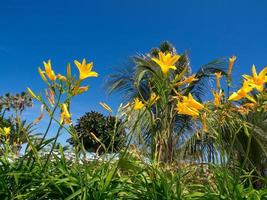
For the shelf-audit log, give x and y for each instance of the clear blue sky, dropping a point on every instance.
(108, 31)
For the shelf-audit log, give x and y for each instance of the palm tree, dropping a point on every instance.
(20, 130)
(160, 127)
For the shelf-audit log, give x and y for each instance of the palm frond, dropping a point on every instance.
(204, 75)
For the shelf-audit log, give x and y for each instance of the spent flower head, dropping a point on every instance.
(231, 64)
(218, 76)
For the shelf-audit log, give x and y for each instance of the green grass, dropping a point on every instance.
(126, 178)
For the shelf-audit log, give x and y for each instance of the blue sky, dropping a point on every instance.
(109, 31)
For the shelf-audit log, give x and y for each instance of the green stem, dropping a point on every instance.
(50, 121)
(248, 146)
(53, 146)
(39, 146)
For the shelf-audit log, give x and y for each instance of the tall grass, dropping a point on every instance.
(126, 178)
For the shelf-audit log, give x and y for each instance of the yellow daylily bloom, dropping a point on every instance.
(106, 107)
(187, 80)
(166, 62)
(192, 102)
(85, 69)
(242, 93)
(61, 77)
(138, 105)
(184, 109)
(6, 130)
(231, 64)
(189, 106)
(218, 76)
(49, 72)
(217, 98)
(65, 116)
(257, 81)
(190, 79)
(153, 98)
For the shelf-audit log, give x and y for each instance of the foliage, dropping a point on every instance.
(162, 129)
(127, 178)
(98, 132)
(11, 108)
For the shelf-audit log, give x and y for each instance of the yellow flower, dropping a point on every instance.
(184, 109)
(257, 81)
(218, 76)
(85, 69)
(153, 98)
(6, 130)
(61, 77)
(217, 98)
(189, 106)
(190, 79)
(231, 63)
(65, 116)
(166, 62)
(80, 90)
(41, 72)
(106, 107)
(138, 105)
(187, 80)
(49, 72)
(192, 102)
(242, 93)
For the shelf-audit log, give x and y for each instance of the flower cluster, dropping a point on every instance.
(189, 106)
(5, 131)
(249, 83)
(186, 104)
(59, 84)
